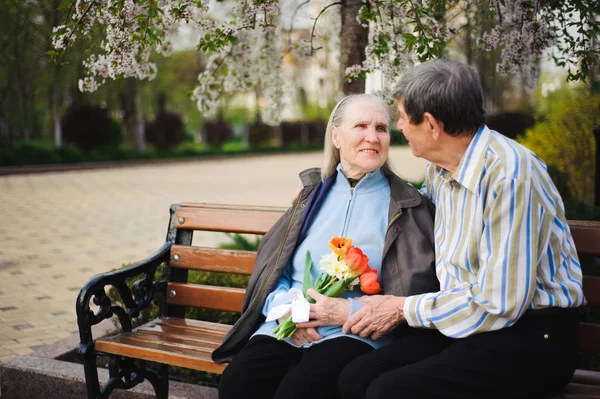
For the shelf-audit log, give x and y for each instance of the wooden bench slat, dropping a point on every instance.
(586, 235)
(193, 325)
(227, 218)
(168, 340)
(586, 377)
(125, 344)
(177, 336)
(233, 206)
(213, 259)
(179, 331)
(206, 296)
(579, 391)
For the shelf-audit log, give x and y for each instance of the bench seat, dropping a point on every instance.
(585, 384)
(171, 340)
(189, 343)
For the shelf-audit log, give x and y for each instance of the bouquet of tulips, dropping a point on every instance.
(345, 268)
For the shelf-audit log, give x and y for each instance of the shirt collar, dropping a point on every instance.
(469, 170)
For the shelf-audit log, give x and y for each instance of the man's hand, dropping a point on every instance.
(305, 336)
(326, 311)
(379, 315)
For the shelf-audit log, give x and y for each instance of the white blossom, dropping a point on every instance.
(246, 45)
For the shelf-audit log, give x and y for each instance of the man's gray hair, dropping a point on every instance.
(331, 155)
(450, 91)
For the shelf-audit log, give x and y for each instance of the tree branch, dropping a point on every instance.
(289, 45)
(312, 34)
(80, 19)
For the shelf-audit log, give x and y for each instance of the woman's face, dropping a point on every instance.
(363, 138)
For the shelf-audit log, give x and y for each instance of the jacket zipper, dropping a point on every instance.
(393, 219)
(280, 249)
(345, 225)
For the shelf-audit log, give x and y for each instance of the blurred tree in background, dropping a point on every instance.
(563, 137)
(89, 127)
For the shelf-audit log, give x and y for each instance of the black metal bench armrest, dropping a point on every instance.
(134, 300)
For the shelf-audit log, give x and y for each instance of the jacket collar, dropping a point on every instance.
(403, 194)
(310, 177)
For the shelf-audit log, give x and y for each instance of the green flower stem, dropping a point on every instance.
(285, 329)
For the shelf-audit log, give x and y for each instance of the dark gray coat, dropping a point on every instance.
(408, 266)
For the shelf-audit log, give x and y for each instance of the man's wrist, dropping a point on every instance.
(399, 306)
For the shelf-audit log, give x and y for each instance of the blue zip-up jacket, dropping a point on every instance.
(359, 213)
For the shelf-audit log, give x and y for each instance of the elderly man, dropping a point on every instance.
(504, 323)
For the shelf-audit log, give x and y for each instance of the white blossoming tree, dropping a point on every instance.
(245, 49)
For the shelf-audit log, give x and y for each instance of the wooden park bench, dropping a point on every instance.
(174, 340)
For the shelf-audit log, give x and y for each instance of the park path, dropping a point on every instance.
(59, 229)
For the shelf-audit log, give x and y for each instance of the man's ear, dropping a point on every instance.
(436, 127)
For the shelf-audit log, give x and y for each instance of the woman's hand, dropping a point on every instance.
(326, 311)
(379, 315)
(302, 335)
(305, 336)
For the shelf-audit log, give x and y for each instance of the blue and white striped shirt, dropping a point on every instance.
(502, 242)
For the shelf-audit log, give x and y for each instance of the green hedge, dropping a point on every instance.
(27, 154)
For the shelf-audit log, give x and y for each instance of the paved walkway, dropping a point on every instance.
(59, 229)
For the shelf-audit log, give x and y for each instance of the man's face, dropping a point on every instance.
(418, 136)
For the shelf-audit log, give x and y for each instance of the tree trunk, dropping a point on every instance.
(468, 37)
(20, 88)
(56, 97)
(140, 143)
(56, 102)
(128, 105)
(353, 40)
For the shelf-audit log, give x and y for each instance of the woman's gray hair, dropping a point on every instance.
(450, 91)
(331, 155)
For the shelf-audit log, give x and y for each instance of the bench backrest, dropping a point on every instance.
(189, 217)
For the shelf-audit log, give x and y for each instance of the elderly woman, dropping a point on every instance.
(354, 195)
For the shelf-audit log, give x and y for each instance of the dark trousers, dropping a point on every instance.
(267, 368)
(534, 358)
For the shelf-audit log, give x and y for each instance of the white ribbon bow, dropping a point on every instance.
(299, 306)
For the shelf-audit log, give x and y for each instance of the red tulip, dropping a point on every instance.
(368, 282)
(357, 261)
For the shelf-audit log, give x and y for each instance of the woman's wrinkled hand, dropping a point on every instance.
(379, 315)
(326, 311)
(305, 336)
